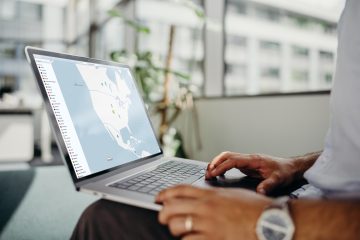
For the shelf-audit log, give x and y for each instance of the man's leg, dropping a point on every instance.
(110, 220)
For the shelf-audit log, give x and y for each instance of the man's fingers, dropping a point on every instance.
(220, 164)
(268, 184)
(219, 159)
(233, 162)
(222, 168)
(176, 207)
(177, 225)
(181, 207)
(181, 191)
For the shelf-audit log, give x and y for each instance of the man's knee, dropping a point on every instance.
(108, 220)
(96, 212)
(93, 221)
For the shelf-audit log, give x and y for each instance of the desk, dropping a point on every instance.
(16, 134)
(20, 127)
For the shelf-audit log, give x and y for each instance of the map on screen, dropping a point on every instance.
(100, 113)
(111, 101)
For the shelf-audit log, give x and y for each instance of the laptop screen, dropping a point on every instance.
(99, 111)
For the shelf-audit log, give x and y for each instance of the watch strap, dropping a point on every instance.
(279, 203)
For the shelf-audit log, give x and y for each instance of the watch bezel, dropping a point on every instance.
(263, 222)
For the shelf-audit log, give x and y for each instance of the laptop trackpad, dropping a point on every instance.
(232, 179)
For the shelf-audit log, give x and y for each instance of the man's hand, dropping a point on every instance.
(274, 171)
(232, 214)
(215, 213)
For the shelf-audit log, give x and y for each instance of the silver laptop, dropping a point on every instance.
(103, 131)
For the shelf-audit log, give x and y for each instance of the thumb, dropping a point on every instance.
(268, 185)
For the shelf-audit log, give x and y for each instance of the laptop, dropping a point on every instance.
(103, 131)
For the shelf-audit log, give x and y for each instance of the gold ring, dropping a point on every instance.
(188, 223)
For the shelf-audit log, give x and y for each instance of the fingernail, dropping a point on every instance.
(211, 166)
(160, 218)
(261, 191)
(158, 198)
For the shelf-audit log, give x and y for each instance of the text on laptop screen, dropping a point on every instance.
(99, 112)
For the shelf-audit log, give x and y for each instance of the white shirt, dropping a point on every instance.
(337, 171)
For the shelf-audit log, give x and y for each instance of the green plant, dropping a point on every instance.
(147, 71)
(154, 79)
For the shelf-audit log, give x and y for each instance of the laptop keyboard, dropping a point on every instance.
(164, 176)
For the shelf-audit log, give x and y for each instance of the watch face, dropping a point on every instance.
(278, 219)
(274, 227)
(275, 224)
(271, 234)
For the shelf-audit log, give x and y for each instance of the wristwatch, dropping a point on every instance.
(275, 222)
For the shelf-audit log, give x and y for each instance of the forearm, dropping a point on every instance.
(326, 219)
(303, 163)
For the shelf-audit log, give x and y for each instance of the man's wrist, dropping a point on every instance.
(301, 164)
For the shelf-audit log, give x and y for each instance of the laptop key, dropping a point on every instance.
(153, 192)
(164, 176)
(120, 185)
(134, 187)
(145, 189)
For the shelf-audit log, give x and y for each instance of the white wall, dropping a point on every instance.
(277, 125)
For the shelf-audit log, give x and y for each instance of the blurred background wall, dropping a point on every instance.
(243, 50)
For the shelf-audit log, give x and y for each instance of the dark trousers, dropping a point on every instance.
(110, 220)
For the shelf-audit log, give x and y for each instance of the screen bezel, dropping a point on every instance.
(60, 141)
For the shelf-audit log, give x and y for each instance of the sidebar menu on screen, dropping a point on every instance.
(62, 116)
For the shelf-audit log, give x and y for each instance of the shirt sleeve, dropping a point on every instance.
(337, 171)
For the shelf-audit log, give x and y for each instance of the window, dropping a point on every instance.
(267, 13)
(28, 11)
(188, 43)
(261, 46)
(22, 23)
(326, 65)
(236, 7)
(20, 10)
(300, 52)
(275, 47)
(7, 9)
(105, 35)
(235, 64)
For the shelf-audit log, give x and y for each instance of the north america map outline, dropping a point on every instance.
(111, 102)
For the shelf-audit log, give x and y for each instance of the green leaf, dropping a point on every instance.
(134, 24)
(117, 55)
(184, 76)
(137, 26)
(199, 11)
(114, 13)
